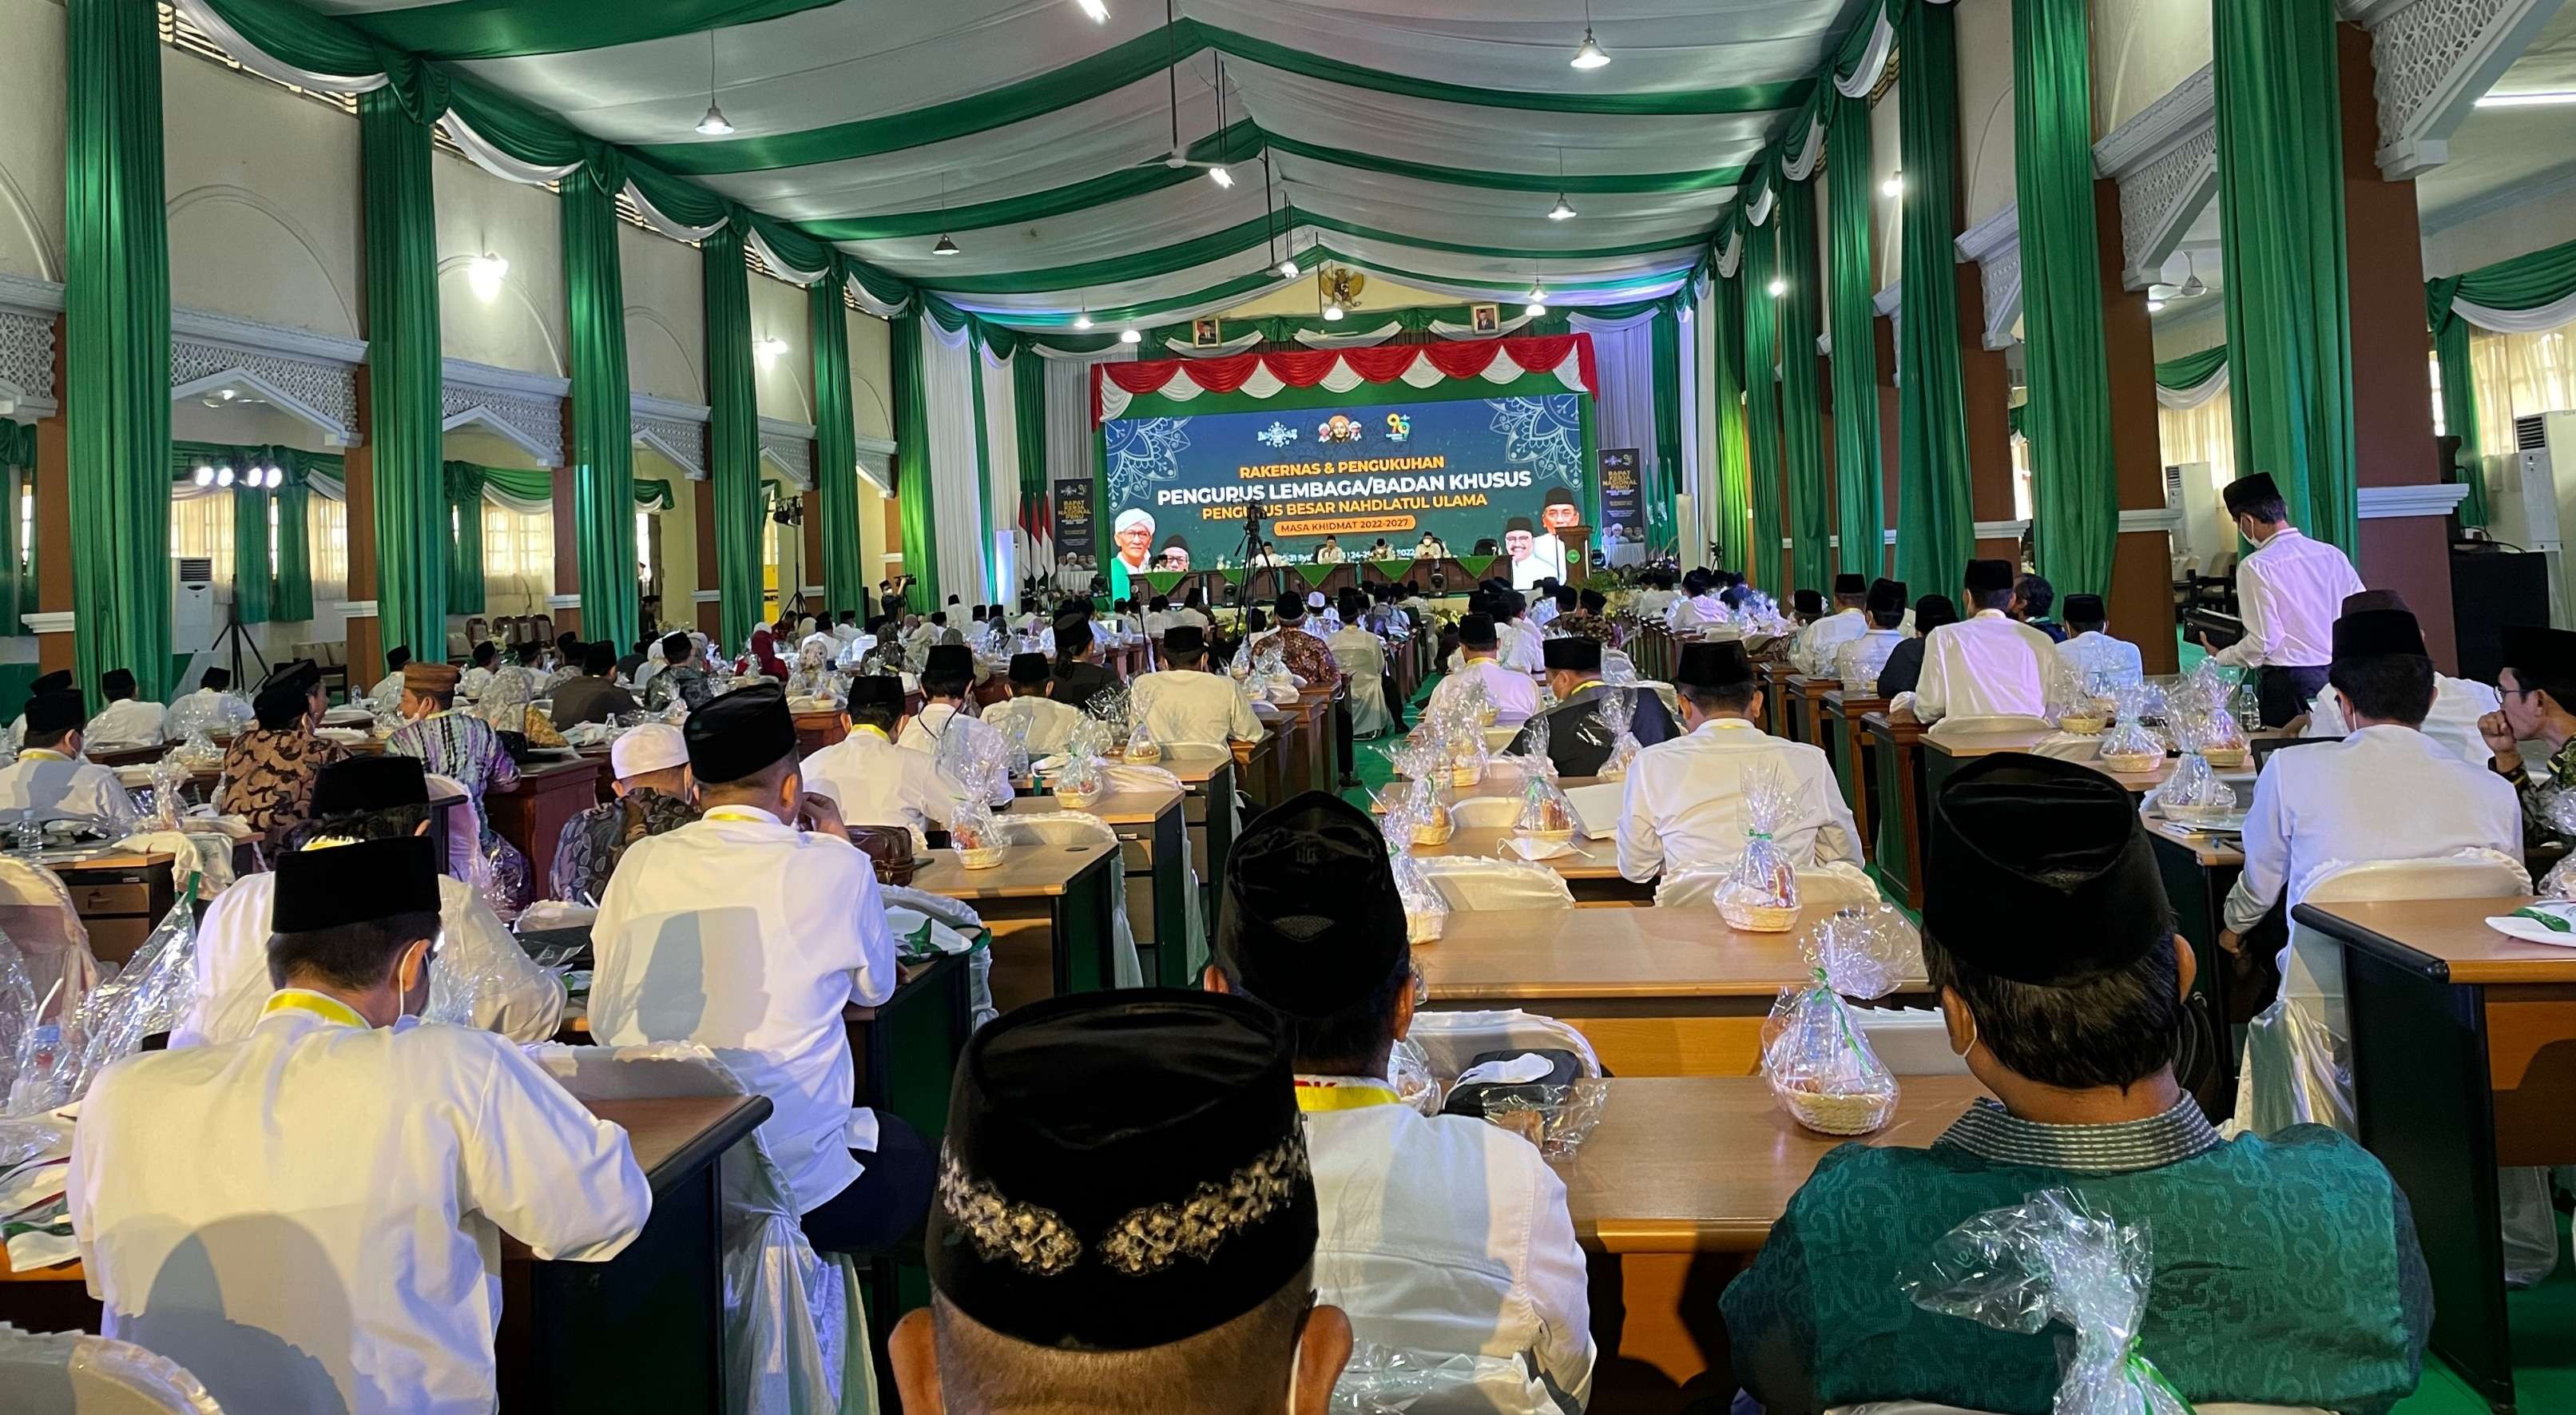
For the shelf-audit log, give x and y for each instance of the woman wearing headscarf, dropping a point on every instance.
(763, 657)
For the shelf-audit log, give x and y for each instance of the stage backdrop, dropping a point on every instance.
(1453, 438)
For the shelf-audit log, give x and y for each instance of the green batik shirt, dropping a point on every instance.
(2535, 791)
(2286, 1269)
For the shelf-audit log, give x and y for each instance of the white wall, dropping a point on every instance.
(871, 375)
(666, 316)
(679, 536)
(2206, 329)
(522, 325)
(2141, 50)
(1985, 109)
(2545, 220)
(1886, 156)
(263, 200)
(785, 387)
(31, 139)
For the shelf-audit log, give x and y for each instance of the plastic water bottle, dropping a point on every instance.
(39, 1057)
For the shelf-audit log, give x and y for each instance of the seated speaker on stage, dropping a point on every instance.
(2049, 940)
(1684, 807)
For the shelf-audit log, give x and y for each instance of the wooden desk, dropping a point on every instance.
(1848, 744)
(1660, 992)
(1318, 768)
(1805, 705)
(1152, 834)
(817, 730)
(1264, 766)
(1208, 775)
(1592, 871)
(120, 897)
(1674, 1193)
(1775, 675)
(2464, 1058)
(1903, 804)
(905, 1049)
(1050, 913)
(531, 814)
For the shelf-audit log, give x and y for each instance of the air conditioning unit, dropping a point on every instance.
(193, 616)
(2203, 532)
(2531, 497)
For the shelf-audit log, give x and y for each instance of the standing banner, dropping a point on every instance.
(1073, 528)
(1623, 513)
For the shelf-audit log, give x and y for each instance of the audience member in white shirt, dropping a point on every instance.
(748, 931)
(51, 781)
(2289, 591)
(2459, 704)
(875, 782)
(2092, 655)
(1697, 607)
(1857, 661)
(1514, 696)
(214, 707)
(389, 689)
(1045, 725)
(1552, 600)
(1185, 705)
(1683, 809)
(1442, 1236)
(947, 677)
(478, 675)
(1989, 664)
(1658, 595)
(126, 721)
(1813, 650)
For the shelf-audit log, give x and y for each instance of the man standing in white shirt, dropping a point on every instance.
(947, 677)
(309, 1218)
(1185, 705)
(2289, 591)
(2092, 655)
(1813, 650)
(1683, 808)
(357, 800)
(51, 780)
(1988, 664)
(1442, 1236)
(2459, 704)
(126, 721)
(1514, 696)
(875, 782)
(1858, 661)
(748, 931)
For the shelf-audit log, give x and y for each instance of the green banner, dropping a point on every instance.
(1316, 575)
(1233, 573)
(1477, 565)
(1164, 581)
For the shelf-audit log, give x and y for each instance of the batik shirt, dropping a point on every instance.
(269, 776)
(2537, 791)
(690, 685)
(1306, 656)
(596, 839)
(452, 744)
(1585, 624)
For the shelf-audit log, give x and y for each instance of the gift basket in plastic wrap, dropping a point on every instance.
(1818, 1061)
(1760, 892)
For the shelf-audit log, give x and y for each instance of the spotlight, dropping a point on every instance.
(1894, 186)
(205, 475)
(1098, 10)
(223, 476)
(1288, 267)
(485, 273)
(1333, 312)
(1130, 336)
(768, 350)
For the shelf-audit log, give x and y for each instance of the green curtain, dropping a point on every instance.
(1028, 395)
(1726, 339)
(1936, 523)
(2280, 204)
(1802, 417)
(1860, 494)
(252, 578)
(836, 440)
(116, 352)
(2525, 282)
(733, 435)
(291, 600)
(1665, 344)
(912, 461)
(2191, 370)
(462, 523)
(1762, 409)
(2076, 487)
(403, 370)
(603, 451)
(17, 567)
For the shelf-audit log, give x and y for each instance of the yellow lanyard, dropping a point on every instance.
(329, 1009)
(752, 814)
(1323, 1093)
(872, 727)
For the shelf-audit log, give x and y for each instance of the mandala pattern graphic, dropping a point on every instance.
(1143, 453)
(1278, 434)
(1542, 434)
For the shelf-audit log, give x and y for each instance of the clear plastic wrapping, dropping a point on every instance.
(1408, 1070)
(1818, 1061)
(18, 1004)
(1425, 813)
(58, 1060)
(206, 714)
(1557, 1119)
(2053, 1261)
(1546, 814)
(1536, 737)
(1760, 894)
(1379, 1380)
(2194, 793)
(1426, 912)
(2131, 745)
(1617, 713)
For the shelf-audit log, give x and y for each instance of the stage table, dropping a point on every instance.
(1050, 913)
(1660, 992)
(2463, 1059)
(1592, 871)
(1674, 1193)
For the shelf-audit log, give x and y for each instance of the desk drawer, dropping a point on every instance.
(110, 896)
(114, 940)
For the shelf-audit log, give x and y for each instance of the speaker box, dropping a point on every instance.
(2489, 590)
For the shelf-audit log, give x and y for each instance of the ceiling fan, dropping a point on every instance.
(1177, 157)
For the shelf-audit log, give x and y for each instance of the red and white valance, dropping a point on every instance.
(1567, 356)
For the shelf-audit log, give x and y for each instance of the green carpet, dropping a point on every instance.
(2544, 1344)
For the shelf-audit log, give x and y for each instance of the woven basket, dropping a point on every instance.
(2131, 763)
(1564, 833)
(1423, 927)
(1146, 753)
(2224, 756)
(981, 857)
(1075, 800)
(1466, 775)
(1758, 918)
(2082, 725)
(1835, 1114)
(1435, 833)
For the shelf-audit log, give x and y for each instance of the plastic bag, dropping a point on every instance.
(1426, 811)
(1617, 713)
(1819, 1064)
(1760, 894)
(1408, 1070)
(195, 750)
(1536, 737)
(1379, 1380)
(18, 1004)
(1141, 747)
(1426, 910)
(1557, 1119)
(205, 714)
(57, 1061)
(1546, 814)
(2194, 792)
(1469, 757)
(2053, 1261)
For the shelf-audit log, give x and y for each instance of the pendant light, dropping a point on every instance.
(1589, 54)
(945, 246)
(714, 124)
(1537, 296)
(1563, 210)
(2193, 287)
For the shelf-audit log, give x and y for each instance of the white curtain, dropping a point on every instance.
(956, 482)
(1623, 351)
(1002, 479)
(1072, 443)
(1686, 534)
(326, 536)
(1703, 422)
(518, 559)
(201, 523)
(2205, 433)
(2516, 376)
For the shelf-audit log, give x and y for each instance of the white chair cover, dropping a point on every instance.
(2298, 1053)
(1911, 1041)
(1971, 725)
(1486, 813)
(1453, 1040)
(36, 914)
(1362, 659)
(796, 1334)
(1839, 884)
(959, 916)
(74, 1373)
(465, 831)
(1080, 828)
(1472, 882)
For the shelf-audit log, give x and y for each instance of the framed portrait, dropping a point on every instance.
(1485, 319)
(1206, 333)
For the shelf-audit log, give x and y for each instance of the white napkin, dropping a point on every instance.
(2533, 931)
(1535, 850)
(1526, 1067)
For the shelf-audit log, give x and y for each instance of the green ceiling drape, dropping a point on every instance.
(836, 443)
(733, 435)
(1029, 424)
(17, 562)
(2526, 282)
(2191, 370)
(1802, 415)
(2280, 202)
(1734, 487)
(116, 354)
(404, 373)
(1936, 526)
(1664, 339)
(461, 488)
(2076, 490)
(500, 29)
(912, 460)
(603, 452)
(1762, 450)
(1860, 493)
